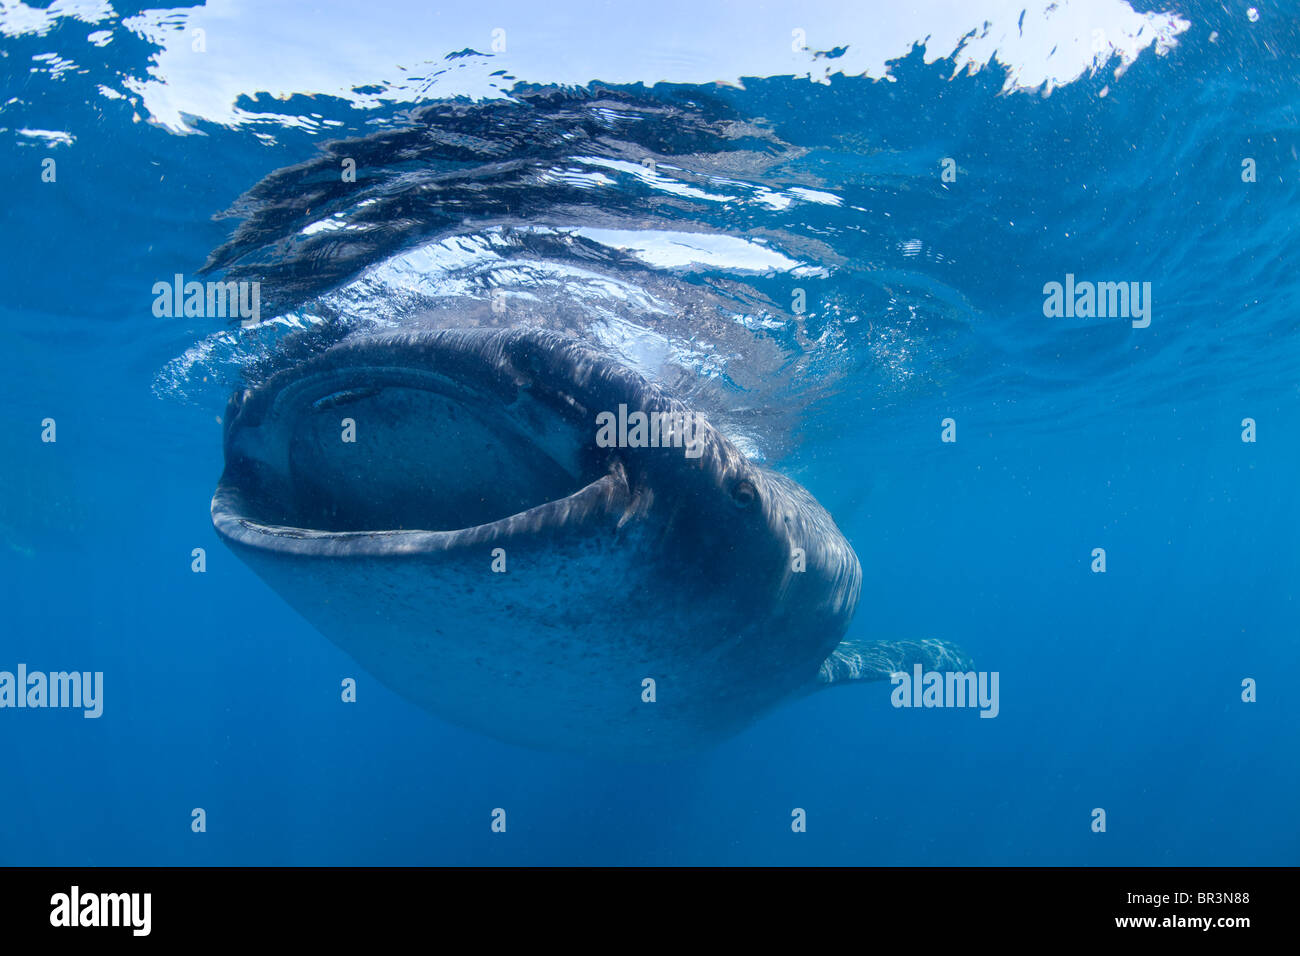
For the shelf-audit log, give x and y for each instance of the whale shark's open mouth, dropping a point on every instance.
(396, 449)
(419, 432)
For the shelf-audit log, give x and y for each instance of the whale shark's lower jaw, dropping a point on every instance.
(438, 506)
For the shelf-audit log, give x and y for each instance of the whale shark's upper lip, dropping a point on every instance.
(420, 442)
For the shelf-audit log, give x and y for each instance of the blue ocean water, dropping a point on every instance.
(783, 248)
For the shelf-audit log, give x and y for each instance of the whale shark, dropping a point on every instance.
(441, 505)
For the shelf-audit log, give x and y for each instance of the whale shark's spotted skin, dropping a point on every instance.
(724, 583)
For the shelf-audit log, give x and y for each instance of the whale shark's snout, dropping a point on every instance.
(525, 537)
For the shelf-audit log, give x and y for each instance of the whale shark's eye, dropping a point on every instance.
(744, 494)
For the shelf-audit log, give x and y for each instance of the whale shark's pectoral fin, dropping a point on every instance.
(877, 660)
